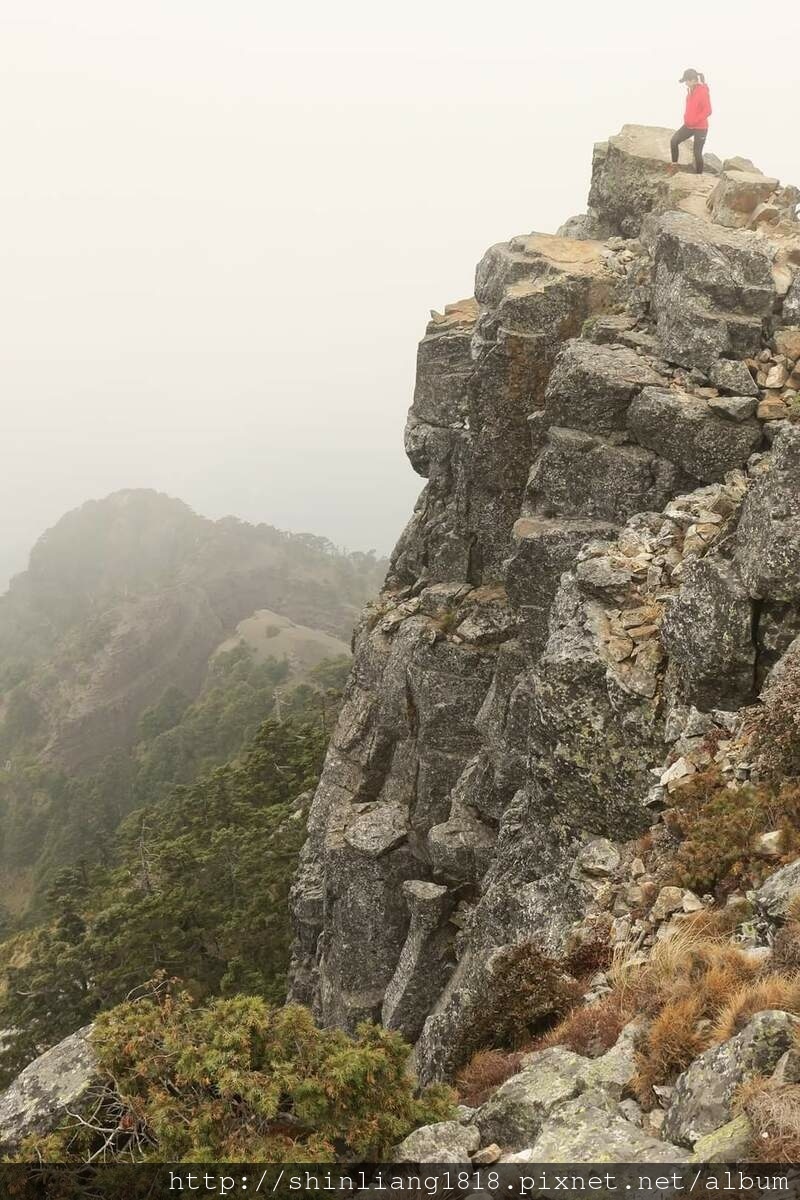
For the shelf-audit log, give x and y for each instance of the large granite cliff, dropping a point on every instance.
(608, 544)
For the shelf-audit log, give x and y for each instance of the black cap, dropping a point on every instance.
(689, 76)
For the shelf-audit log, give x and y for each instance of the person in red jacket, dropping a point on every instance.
(695, 117)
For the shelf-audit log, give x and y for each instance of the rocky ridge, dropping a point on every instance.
(601, 570)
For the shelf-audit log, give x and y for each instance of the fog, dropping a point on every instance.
(224, 222)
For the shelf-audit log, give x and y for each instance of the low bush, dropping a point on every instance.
(718, 826)
(238, 1080)
(527, 989)
(593, 1028)
(484, 1073)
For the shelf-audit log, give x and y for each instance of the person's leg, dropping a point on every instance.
(699, 142)
(680, 135)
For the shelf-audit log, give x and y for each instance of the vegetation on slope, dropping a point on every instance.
(238, 1080)
(194, 882)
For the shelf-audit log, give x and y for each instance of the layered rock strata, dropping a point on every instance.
(607, 544)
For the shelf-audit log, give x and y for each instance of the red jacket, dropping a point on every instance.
(698, 107)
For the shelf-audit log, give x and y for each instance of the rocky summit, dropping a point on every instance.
(604, 563)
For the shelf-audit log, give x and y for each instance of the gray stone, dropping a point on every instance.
(704, 1093)
(582, 226)
(791, 303)
(54, 1085)
(588, 1130)
(445, 1142)
(713, 287)
(543, 550)
(580, 475)
(514, 1115)
(778, 891)
(629, 174)
(738, 408)
(737, 195)
(730, 375)
(768, 537)
(614, 1071)
(426, 959)
(687, 430)
(598, 857)
(731, 1143)
(591, 386)
(707, 632)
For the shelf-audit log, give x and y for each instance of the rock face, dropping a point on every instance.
(57, 1083)
(560, 1108)
(703, 1096)
(607, 541)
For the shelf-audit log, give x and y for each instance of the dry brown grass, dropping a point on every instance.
(772, 991)
(594, 1028)
(692, 988)
(672, 1041)
(484, 1073)
(786, 948)
(774, 1112)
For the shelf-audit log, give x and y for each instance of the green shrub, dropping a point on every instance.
(718, 827)
(238, 1080)
(527, 990)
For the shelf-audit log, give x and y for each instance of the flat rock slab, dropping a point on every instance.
(688, 431)
(704, 1094)
(53, 1084)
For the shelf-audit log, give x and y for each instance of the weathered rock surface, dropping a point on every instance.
(768, 538)
(588, 1130)
(54, 1085)
(446, 1142)
(778, 891)
(514, 1116)
(606, 540)
(696, 437)
(712, 290)
(703, 1096)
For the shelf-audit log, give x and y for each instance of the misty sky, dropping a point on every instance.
(224, 222)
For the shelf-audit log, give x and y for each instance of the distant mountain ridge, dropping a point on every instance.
(131, 594)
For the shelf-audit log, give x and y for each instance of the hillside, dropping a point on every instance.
(131, 594)
(553, 847)
(122, 670)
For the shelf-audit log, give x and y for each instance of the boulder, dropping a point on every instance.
(426, 959)
(598, 857)
(729, 375)
(614, 1071)
(712, 290)
(583, 226)
(787, 342)
(59, 1082)
(578, 474)
(703, 1096)
(791, 303)
(592, 385)
(778, 891)
(694, 435)
(591, 1129)
(707, 632)
(445, 1142)
(738, 408)
(542, 550)
(737, 195)
(731, 1143)
(516, 1112)
(629, 174)
(768, 537)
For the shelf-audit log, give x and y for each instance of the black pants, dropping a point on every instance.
(682, 135)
